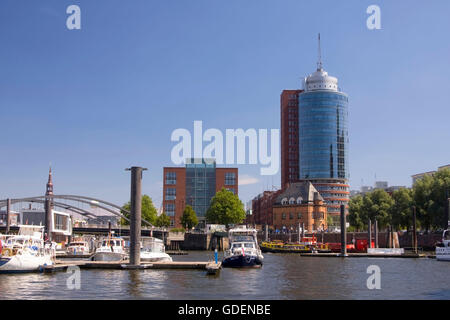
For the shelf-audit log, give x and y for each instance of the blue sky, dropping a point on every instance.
(98, 100)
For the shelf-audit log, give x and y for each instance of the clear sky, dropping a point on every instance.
(98, 100)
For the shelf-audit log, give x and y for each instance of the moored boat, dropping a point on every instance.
(111, 249)
(306, 245)
(443, 248)
(244, 250)
(78, 248)
(154, 251)
(26, 252)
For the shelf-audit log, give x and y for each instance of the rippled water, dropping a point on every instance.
(281, 277)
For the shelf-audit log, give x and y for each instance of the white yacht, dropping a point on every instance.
(78, 248)
(26, 252)
(154, 251)
(111, 249)
(443, 249)
(244, 250)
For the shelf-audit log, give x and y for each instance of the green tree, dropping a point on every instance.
(430, 194)
(355, 212)
(189, 218)
(148, 211)
(377, 205)
(225, 208)
(163, 220)
(401, 210)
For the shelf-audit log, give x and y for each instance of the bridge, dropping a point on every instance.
(86, 207)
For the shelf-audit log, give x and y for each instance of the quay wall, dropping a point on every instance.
(425, 241)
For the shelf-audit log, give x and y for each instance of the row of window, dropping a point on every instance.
(230, 178)
(291, 216)
(171, 178)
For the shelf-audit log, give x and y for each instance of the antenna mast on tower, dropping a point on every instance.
(319, 62)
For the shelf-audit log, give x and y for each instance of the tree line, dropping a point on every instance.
(225, 208)
(428, 195)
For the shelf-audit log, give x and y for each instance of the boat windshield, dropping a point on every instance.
(446, 235)
(77, 244)
(248, 245)
(241, 238)
(111, 243)
(237, 245)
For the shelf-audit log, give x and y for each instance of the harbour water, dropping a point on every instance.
(283, 276)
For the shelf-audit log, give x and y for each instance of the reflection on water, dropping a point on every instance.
(281, 277)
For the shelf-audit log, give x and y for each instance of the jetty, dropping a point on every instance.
(210, 266)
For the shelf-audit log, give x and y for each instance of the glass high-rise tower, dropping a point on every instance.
(323, 137)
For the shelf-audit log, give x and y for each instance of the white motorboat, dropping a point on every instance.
(78, 248)
(244, 250)
(26, 252)
(111, 249)
(443, 248)
(154, 251)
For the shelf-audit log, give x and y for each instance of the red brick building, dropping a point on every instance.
(300, 203)
(289, 137)
(262, 208)
(195, 185)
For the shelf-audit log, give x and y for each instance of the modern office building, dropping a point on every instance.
(289, 137)
(323, 138)
(195, 185)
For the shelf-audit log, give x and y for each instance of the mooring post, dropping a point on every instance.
(414, 229)
(303, 230)
(48, 219)
(343, 232)
(266, 233)
(446, 224)
(216, 255)
(135, 215)
(8, 214)
(375, 226)
(369, 231)
(391, 237)
(299, 232)
(448, 213)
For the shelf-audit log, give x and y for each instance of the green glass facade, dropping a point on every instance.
(200, 185)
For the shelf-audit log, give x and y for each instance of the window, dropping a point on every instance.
(170, 193)
(171, 178)
(169, 209)
(284, 201)
(60, 222)
(230, 178)
(299, 215)
(283, 216)
(291, 201)
(232, 190)
(299, 200)
(291, 216)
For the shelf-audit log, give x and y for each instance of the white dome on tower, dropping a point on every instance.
(320, 80)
